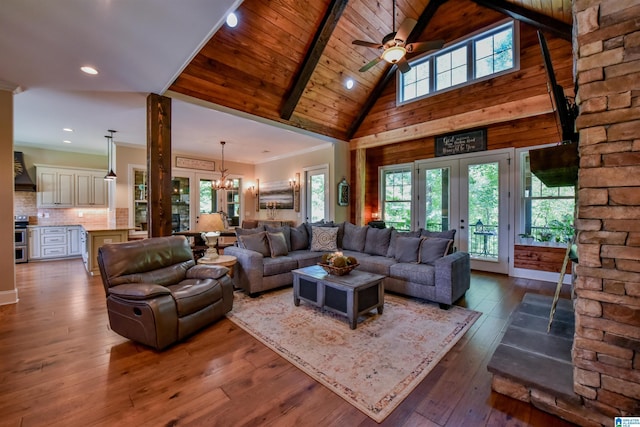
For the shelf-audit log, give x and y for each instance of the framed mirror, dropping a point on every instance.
(343, 193)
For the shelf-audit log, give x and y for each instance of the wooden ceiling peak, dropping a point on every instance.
(288, 60)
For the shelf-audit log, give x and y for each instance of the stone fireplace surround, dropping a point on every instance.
(606, 343)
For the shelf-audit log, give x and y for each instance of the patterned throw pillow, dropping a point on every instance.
(324, 239)
(277, 244)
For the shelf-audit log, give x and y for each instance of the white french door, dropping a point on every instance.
(469, 193)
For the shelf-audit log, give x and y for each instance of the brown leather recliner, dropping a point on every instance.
(156, 294)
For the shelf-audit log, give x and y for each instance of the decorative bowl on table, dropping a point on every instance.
(338, 264)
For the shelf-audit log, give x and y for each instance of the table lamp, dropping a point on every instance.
(210, 226)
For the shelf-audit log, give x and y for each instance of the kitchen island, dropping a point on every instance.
(94, 237)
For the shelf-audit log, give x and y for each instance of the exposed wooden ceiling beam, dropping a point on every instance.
(320, 40)
(536, 19)
(423, 21)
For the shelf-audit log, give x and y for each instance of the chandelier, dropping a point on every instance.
(224, 183)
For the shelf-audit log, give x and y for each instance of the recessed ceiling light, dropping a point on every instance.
(349, 84)
(89, 70)
(66, 141)
(67, 129)
(232, 20)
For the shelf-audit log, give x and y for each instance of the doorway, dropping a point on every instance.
(470, 193)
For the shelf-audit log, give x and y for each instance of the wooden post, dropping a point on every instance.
(361, 181)
(159, 165)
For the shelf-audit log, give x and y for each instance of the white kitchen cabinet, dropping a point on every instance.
(74, 241)
(91, 189)
(51, 242)
(56, 187)
(34, 243)
(65, 187)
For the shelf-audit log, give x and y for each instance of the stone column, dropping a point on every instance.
(606, 351)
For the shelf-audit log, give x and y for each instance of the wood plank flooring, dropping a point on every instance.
(60, 365)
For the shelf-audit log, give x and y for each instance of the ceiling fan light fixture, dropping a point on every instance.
(394, 54)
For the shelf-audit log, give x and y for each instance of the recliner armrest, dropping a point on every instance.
(203, 271)
(138, 291)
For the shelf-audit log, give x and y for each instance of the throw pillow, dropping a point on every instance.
(255, 242)
(447, 234)
(391, 253)
(407, 249)
(433, 248)
(285, 229)
(246, 232)
(354, 237)
(377, 241)
(277, 244)
(299, 238)
(324, 239)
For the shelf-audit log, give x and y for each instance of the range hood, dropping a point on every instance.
(22, 179)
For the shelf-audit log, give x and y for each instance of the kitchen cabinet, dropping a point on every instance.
(55, 187)
(91, 189)
(96, 238)
(52, 242)
(63, 187)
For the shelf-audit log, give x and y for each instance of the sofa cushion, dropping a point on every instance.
(407, 249)
(192, 295)
(324, 239)
(375, 264)
(354, 237)
(377, 241)
(277, 244)
(422, 274)
(256, 242)
(279, 265)
(433, 248)
(391, 253)
(299, 238)
(246, 232)
(285, 229)
(305, 258)
(447, 234)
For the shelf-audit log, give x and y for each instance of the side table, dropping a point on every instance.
(224, 260)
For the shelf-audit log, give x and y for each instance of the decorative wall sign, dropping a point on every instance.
(343, 193)
(460, 143)
(276, 195)
(185, 162)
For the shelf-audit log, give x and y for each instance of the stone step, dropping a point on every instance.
(530, 356)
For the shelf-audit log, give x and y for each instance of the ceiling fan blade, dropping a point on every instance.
(370, 64)
(418, 47)
(367, 44)
(403, 65)
(405, 29)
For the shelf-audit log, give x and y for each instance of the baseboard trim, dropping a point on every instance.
(9, 297)
(546, 276)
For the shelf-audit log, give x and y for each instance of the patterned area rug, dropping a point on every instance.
(373, 367)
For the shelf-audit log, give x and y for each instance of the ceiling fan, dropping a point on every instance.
(394, 45)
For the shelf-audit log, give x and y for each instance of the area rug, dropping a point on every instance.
(373, 367)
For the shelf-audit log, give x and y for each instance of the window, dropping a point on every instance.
(396, 200)
(317, 203)
(479, 57)
(547, 213)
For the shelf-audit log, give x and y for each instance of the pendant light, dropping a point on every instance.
(223, 183)
(111, 175)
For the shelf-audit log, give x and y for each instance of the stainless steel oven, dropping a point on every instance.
(21, 238)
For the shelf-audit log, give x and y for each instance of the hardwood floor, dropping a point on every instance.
(60, 365)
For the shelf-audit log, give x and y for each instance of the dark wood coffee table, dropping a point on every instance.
(353, 294)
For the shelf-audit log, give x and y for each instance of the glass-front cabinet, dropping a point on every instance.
(184, 208)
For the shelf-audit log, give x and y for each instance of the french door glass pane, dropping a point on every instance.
(437, 199)
(483, 210)
(317, 198)
(208, 200)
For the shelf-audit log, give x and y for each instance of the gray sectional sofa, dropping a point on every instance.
(420, 263)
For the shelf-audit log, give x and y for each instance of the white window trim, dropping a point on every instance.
(451, 46)
(381, 188)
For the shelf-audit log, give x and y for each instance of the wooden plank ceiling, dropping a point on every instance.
(288, 60)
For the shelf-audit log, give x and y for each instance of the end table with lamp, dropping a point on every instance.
(210, 226)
